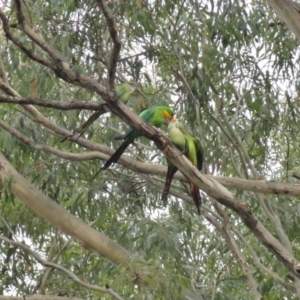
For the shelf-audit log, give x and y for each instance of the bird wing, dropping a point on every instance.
(146, 114)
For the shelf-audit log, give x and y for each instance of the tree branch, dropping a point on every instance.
(115, 52)
(252, 283)
(288, 12)
(3, 75)
(29, 52)
(64, 270)
(103, 153)
(237, 143)
(49, 210)
(60, 67)
(69, 105)
(89, 238)
(208, 185)
(54, 255)
(38, 297)
(262, 267)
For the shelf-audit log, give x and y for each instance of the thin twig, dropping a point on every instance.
(64, 270)
(3, 75)
(48, 270)
(265, 203)
(68, 105)
(59, 64)
(60, 61)
(262, 267)
(29, 52)
(237, 254)
(115, 51)
(7, 226)
(79, 131)
(39, 297)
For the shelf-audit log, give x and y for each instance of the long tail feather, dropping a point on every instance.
(196, 196)
(115, 157)
(170, 174)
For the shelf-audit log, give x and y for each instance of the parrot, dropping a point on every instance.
(192, 148)
(156, 116)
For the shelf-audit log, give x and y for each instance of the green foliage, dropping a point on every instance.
(228, 68)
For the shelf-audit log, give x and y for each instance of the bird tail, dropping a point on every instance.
(120, 137)
(196, 196)
(114, 158)
(171, 171)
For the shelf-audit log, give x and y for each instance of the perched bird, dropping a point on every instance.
(156, 116)
(192, 148)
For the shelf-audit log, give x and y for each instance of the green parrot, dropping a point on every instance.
(192, 148)
(156, 116)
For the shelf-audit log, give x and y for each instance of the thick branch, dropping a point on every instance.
(211, 187)
(61, 66)
(104, 152)
(29, 52)
(262, 267)
(52, 212)
(91, 239)
(288, 12)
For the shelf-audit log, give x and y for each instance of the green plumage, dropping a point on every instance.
(192, 148)
(156, 116)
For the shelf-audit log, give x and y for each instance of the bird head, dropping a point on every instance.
(173, 124)
(168, 115)
(176, 124)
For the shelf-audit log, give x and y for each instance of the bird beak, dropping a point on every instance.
(169, 120)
